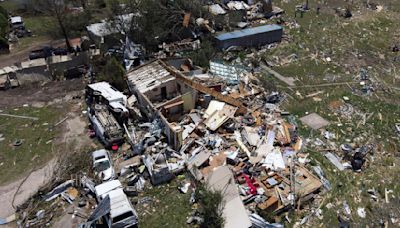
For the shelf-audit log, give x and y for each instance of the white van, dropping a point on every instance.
(122, 213)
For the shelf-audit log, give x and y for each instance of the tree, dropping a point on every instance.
(75, 24)
(3, 25)
(114, 73)
(3, 12)
(161, 20)
(56, 8)
(83, 3)
(3, 30)
(202, 56)
(156, 21)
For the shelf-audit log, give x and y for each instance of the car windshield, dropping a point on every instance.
(101, 166)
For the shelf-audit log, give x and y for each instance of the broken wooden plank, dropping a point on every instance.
(61, 121)
(17, 116)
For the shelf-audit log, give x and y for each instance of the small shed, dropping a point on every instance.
(250, 37)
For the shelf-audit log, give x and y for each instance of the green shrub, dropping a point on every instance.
(114, 73)
(3, 12)
(210, 207)
(3, 25)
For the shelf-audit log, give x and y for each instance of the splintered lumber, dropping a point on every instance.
(17, 116)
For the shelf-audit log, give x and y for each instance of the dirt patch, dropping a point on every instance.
(19, 191)
(41, 94)
(75, 133)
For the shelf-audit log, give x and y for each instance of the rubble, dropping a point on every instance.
(180, 46)
(254, 151)
(255, 159)
(335, 161)
(59, 190)
(219, 126)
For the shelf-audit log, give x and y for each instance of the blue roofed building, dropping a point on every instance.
(250, 37)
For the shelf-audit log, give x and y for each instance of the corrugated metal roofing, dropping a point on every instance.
(248, 32)
(150, 76)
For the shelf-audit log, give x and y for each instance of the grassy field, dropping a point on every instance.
(363, 41)
(11, 6)
(40, 25)
(36, 135)
(166, 207)
(43, 28)
(382, 168)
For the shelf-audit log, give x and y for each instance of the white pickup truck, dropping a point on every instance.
(122, 213)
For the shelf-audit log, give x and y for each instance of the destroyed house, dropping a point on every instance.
(109, 32)
(250, 37)
(160, 94)
(165, 93)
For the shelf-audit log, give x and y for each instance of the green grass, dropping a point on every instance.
(380, 172)
(301, 70)
(10, 5)
(167, 208)
(26, 42)
(36, 136)
(340, 39)
(40, 25)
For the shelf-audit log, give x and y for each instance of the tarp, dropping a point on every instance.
(9, 219)
(102, 209)
(58, 190)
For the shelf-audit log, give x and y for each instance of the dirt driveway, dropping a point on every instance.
(53, 93)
